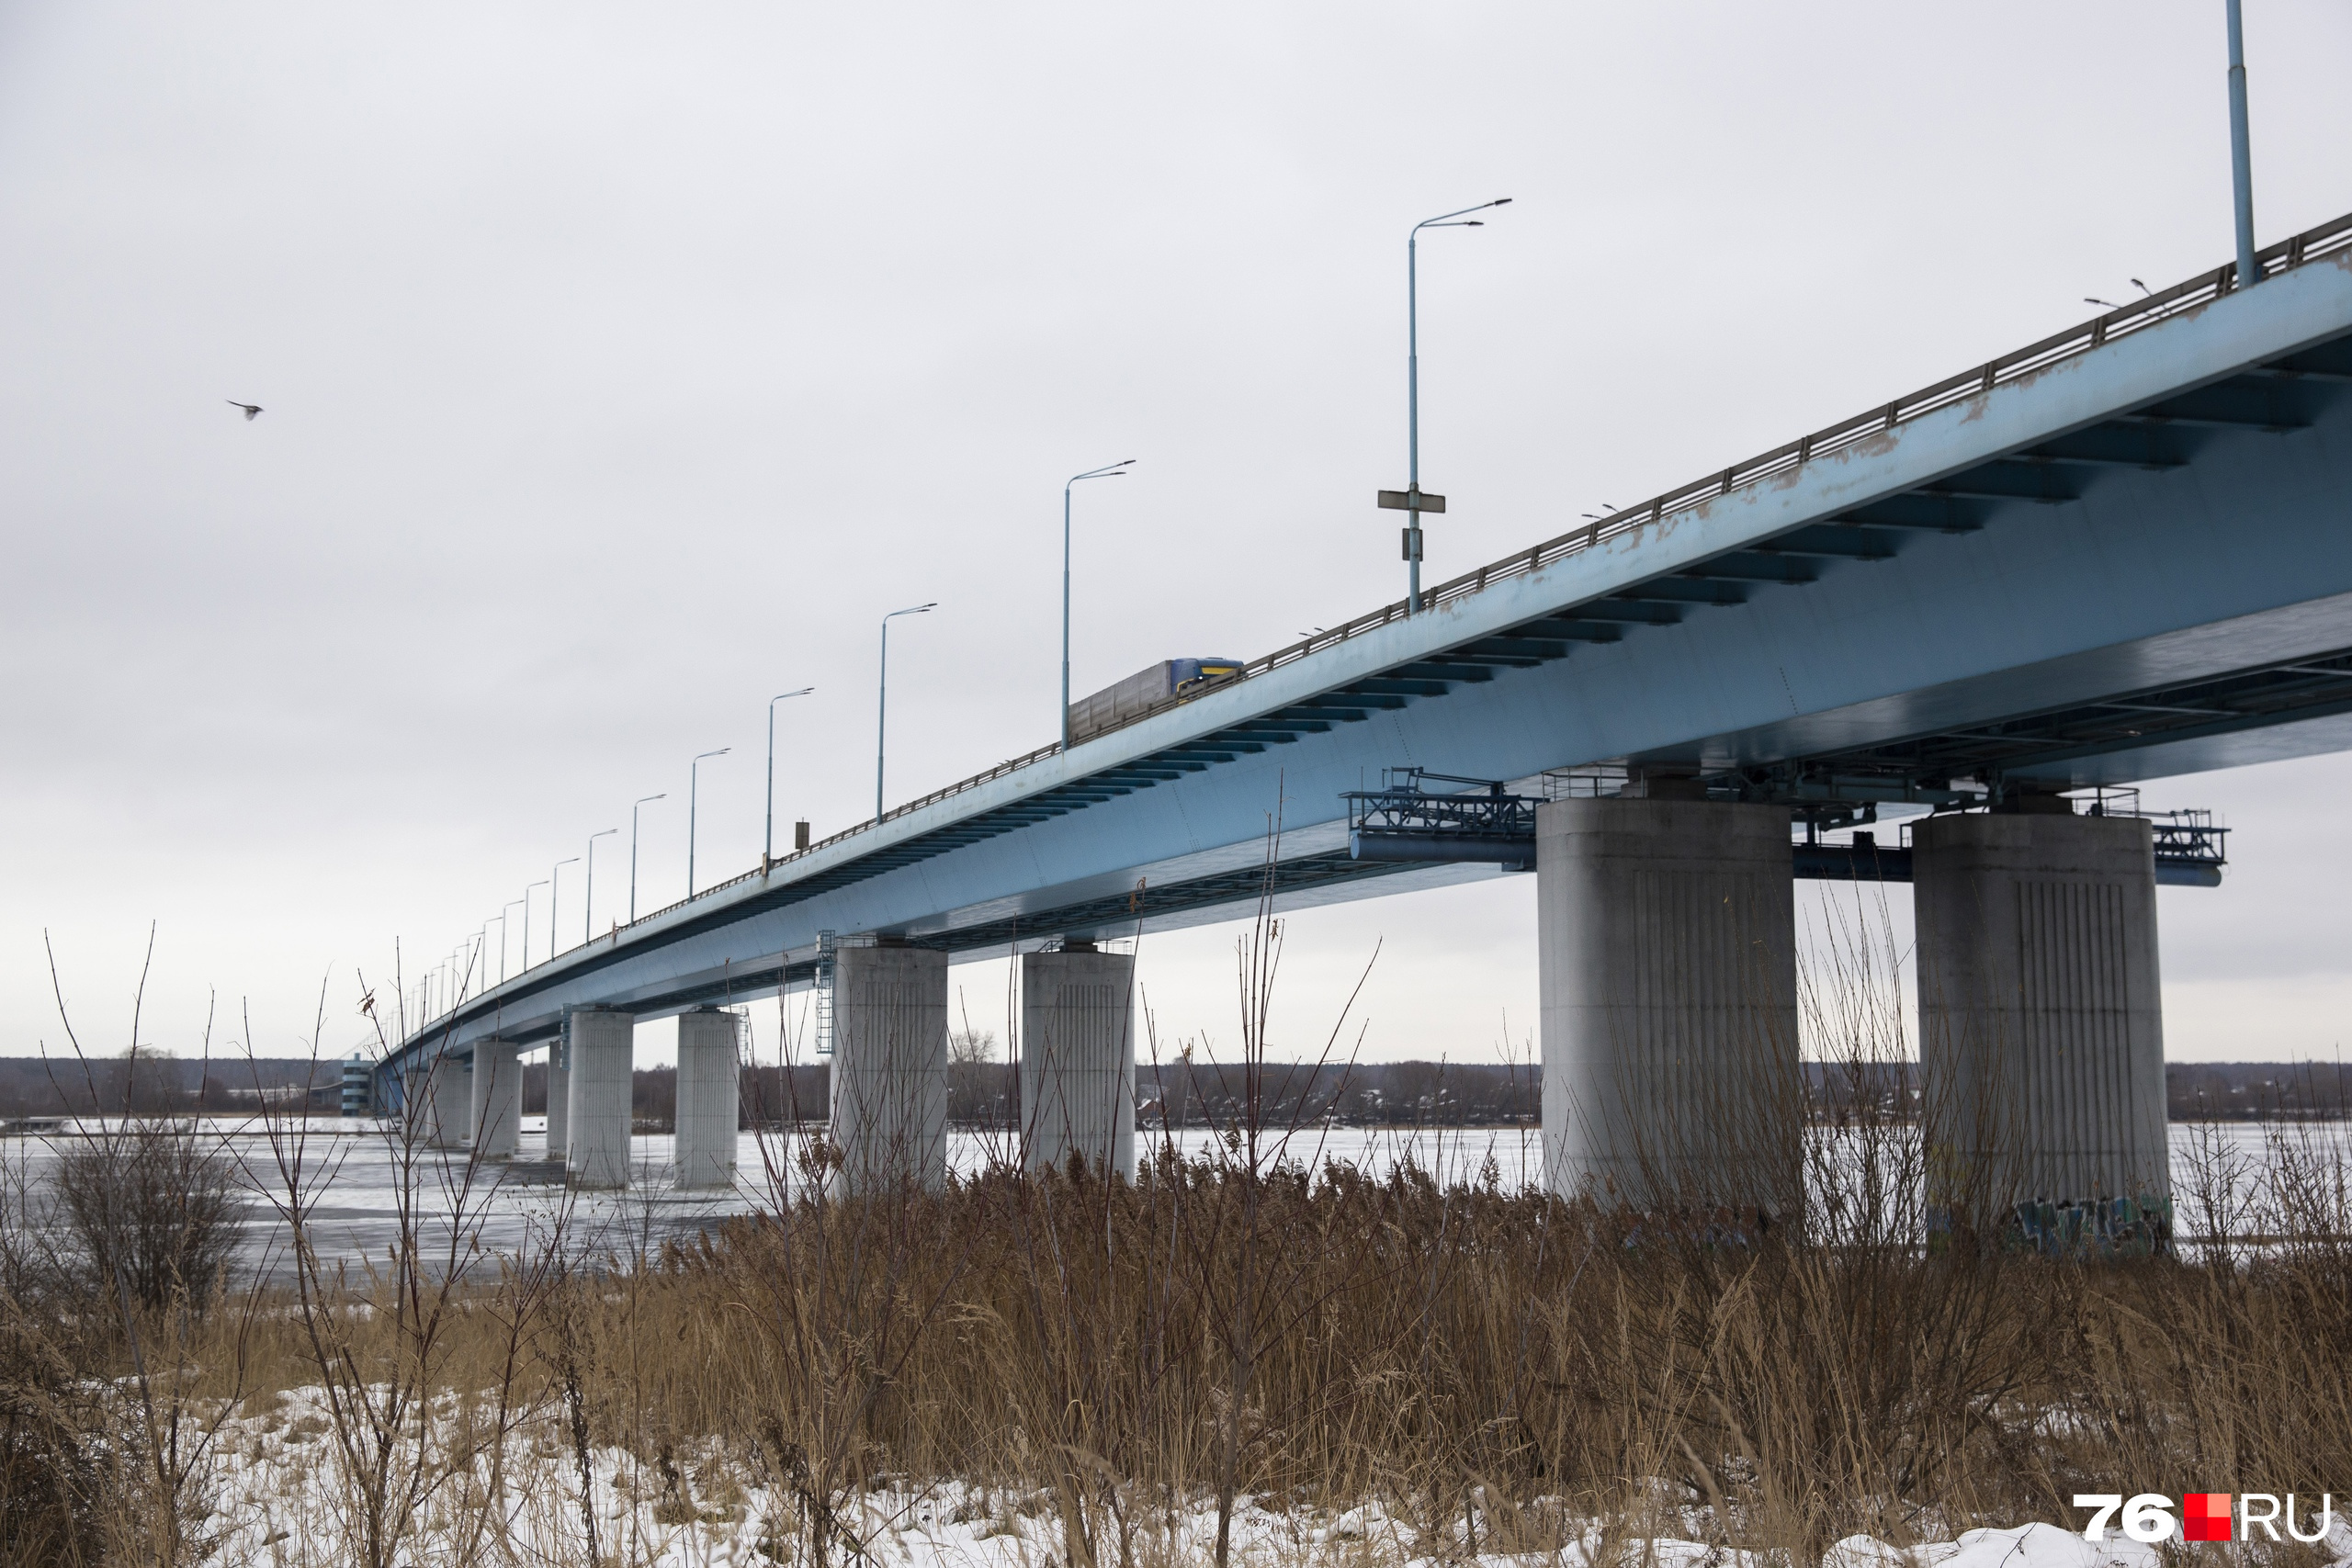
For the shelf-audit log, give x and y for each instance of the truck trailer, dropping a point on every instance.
(1169, 680)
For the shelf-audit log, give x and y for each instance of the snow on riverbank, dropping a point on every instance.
(281, 1500)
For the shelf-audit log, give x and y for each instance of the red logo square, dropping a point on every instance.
(2205, 1516)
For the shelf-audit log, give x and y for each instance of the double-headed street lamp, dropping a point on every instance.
(768, 851)
(554, 889)
(1411, 501)
(526, 925)
(693, 786)
(1110, 472)
(882, 709)
(588, 915)
(632, 852)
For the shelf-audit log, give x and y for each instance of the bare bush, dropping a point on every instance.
(153, 1208)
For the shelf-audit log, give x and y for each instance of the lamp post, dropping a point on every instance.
(1110, 472)
(588, 915)
(694, 788)
(882, 707)
(527, 926)
(632, 852)
(525, 902)
(2241, 152)
(767, 850)
(1412, 507)
(555, 891)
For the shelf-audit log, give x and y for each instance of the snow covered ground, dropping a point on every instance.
(281, 1500)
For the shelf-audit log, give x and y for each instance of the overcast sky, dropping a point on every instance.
(623, 365)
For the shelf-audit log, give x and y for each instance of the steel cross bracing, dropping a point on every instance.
(1665, 566)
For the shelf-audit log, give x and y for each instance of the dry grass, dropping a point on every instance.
(1494, 1367)
(1431, 1348)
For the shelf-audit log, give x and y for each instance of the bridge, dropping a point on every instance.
(2122, 552)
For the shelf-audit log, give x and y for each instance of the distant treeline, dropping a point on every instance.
(31, 1086)
(983, 1094)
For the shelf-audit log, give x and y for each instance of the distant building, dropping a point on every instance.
(358, 1099)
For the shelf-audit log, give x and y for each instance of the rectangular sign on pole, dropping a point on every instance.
(1411, 501)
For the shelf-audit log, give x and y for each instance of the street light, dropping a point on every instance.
(768, 851)
(1412, 502)
(525, 902)
(694, 788)
(588, 915)
(526, 925)
(632, 852)
(882, 708)
(555, 891)
(2241, 153)
(1110, 472)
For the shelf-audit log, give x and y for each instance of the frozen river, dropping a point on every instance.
(355, 1172)
(353, 1169)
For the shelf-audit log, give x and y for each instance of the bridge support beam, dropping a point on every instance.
(889, 1070)
(559, 1096)
(2041, 1020)
(709, 1098)
(497, 1098)
(595, 1149)
(1078, 1059)
(1668, 970)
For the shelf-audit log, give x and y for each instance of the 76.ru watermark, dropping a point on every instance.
(2204, 1515)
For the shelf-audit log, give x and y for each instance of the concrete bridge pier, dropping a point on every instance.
(497, 1098)
(447, 1094)
(1666, 925)
(710, 1098)
(889, 1069)
(1078, 1059)
(559, 1096)
(597, 1127)
(2041, 1021)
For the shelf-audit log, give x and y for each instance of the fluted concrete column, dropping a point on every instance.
(2040, 1017)
(1078, 1060)
(711, 1106)
(497, 1098)
(596, 1143)
(1668, 964)
(889, 1069)
(559, 1097)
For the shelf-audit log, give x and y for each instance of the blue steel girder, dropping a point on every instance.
(2204, 531)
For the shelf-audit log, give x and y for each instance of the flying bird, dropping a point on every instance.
(251, 409)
